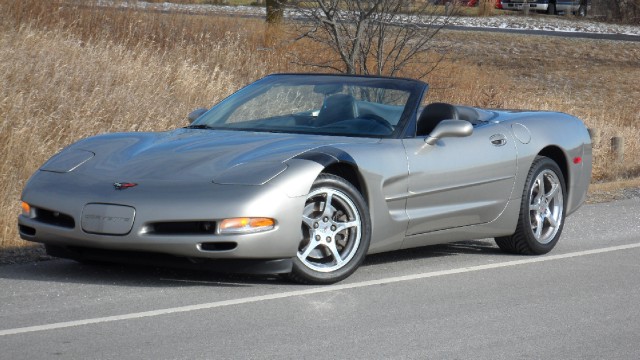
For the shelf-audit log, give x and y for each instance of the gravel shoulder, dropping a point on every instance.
(22, 255)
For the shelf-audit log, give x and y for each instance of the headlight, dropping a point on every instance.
(245, 225)
(251, 173)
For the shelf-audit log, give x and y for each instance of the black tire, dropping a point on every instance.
(316, 261)
(526, 240)
(551, 10)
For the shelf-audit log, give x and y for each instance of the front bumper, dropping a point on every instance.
(236, 266)
(281, 199)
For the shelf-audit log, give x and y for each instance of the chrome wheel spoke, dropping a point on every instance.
(341, 226)
(312, 246)
(327, 211)
(539, 183)
(552, 221)
(555, 187)
(534, 207)
(336, 254)
(308, 221)
(539, 226)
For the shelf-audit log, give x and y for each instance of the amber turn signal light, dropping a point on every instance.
(26, 209)
(245, 225)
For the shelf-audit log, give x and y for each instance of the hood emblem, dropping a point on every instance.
(124, 185)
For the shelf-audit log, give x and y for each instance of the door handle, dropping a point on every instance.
(498, 140)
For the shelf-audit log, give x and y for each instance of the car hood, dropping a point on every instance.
(187, 154)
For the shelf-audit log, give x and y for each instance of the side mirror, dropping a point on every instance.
(449, 128)
(196, 114)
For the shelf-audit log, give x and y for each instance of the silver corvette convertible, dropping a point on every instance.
(304, 175)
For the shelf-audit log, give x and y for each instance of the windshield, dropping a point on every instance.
(317, 104)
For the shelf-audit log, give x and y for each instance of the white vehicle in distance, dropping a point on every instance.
(551, 7)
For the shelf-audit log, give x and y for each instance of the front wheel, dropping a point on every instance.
(336, 230)
(542, 211)
(551, 10)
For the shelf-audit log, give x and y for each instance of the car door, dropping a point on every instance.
(460, 181)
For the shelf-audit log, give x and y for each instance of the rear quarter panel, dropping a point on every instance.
(552, 133)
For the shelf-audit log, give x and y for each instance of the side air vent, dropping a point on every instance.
(54, 218)
(182, 228)
(27, 230)
(218, 246)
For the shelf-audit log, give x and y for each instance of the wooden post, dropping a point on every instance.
(617, 148)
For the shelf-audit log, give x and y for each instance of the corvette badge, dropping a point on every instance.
(124, 185)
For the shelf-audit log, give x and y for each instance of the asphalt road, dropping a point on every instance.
(564, 34)
(459, 301)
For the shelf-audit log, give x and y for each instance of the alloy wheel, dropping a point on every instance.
(332, 229)
(546, 206)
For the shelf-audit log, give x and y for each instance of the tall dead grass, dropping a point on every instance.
(486, 7)
(67, 73)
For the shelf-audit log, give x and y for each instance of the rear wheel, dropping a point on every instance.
(551, 10)
(542, 211)
(336, 232)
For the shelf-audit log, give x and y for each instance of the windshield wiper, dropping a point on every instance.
(199, 126)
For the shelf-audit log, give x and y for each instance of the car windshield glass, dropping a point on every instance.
(317, 104)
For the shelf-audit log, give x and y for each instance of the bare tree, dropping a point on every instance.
(275, 11)
(625, 11)
(381, 37)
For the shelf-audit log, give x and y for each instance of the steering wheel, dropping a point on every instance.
(379, 120)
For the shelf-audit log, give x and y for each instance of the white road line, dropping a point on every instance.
(317, 290)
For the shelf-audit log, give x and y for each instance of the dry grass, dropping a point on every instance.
(211, 2)
(486, 7)
(68, 73)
